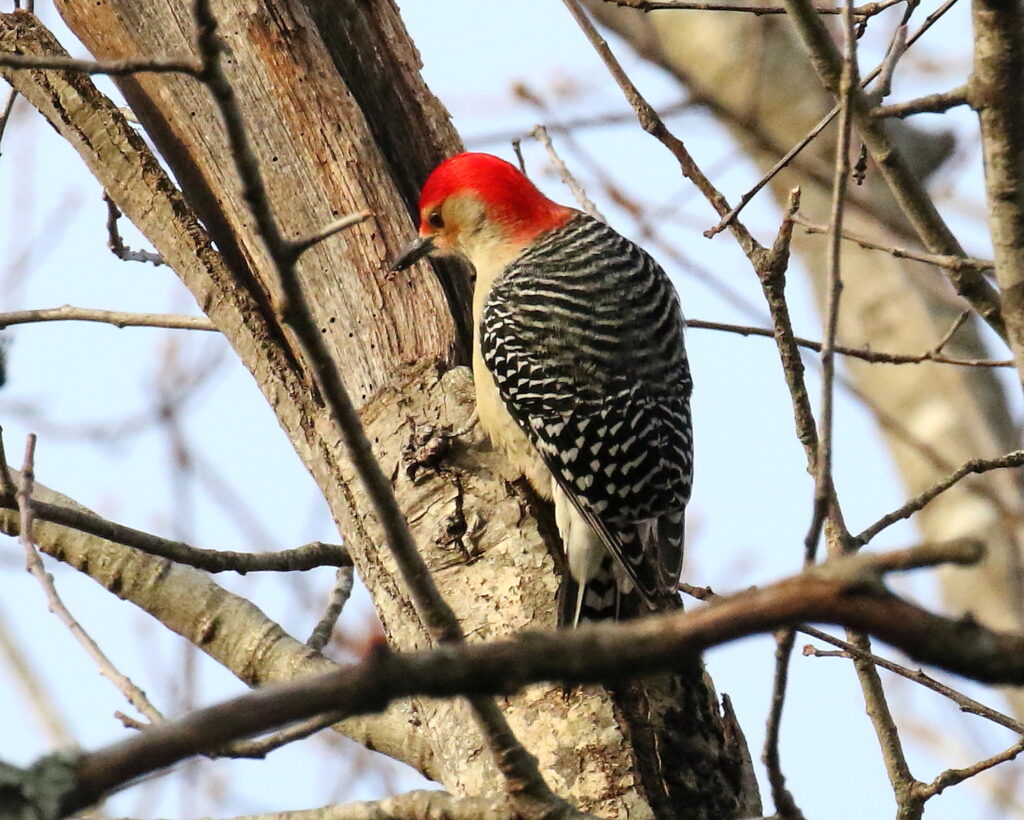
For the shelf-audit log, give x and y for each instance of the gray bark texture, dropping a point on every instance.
(933, 417)
(341, 121)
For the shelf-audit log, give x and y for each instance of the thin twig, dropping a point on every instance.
(948, 261)
(823, 488)
(116, 244)
(114, 68)
(907, 189)
(918, 502)
(949, 334)
(897, 48)
(963, 702)
(70, 313)
(862, 353)
(929, 104)
(297, 247)
(540, 133)
(785, 805)
(308, 556)
(34, 564)
(655, 126)
(952, 777)
(258, 749)
(340, 593)
(5, 115)
(8, 491)
(822, 124)
(859, 12)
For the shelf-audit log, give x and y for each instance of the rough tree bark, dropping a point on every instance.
(934, 417)
(341, 121)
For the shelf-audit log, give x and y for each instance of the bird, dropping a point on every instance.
(581, 377)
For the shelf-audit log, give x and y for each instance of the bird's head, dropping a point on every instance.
(478, 206)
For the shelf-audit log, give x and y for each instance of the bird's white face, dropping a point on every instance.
(462, 226)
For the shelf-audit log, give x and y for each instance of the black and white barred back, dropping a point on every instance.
(584, 337)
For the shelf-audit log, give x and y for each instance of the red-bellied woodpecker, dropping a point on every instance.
(580, 371)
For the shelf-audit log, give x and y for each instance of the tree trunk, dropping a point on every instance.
(338, 129)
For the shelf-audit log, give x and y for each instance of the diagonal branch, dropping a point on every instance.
(846, 591)
(907, 189)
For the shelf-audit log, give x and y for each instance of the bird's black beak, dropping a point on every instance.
(419, 248)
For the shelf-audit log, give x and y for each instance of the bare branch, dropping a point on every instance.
(540, 133)
(824, 493)
(297, 247)
(929, 104)
(655, 126)
(862, 353)
(340, 593)
(785, 805)
(792, 153)
(159, 65)
(974, 466)
(845, 590)
(259, 749)
(308, 556)
(859, 12)
(907, 189)
(947, 261)
(116, 244)
(965, 703)
(26, 509)
(69, 313)
(951, 777)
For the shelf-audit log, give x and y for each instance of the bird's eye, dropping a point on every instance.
(435, 221)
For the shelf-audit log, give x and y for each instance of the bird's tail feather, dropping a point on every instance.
(598, 600)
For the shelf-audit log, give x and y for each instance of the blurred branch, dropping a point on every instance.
(340, 593)
(18, 665)
(26, 510)
(846, 590)
(109, 67)
(109, 317)
(907, 189)
(998, 71)
(415, 805)
(930, 104)
(859, 12)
